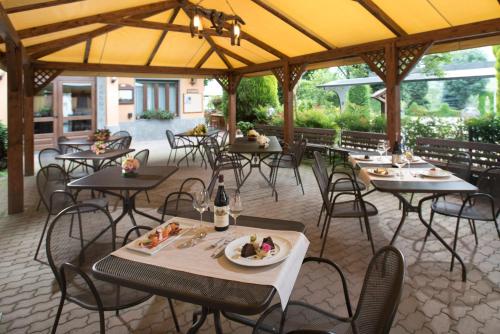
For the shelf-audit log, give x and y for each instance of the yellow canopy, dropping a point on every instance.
(331, 23)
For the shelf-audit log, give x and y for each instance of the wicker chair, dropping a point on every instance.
(177, 143)
(180, 202)
(71, 259)
(290, 160)
(51, 183)
(354, 208)
(481, 206)
(377, 305)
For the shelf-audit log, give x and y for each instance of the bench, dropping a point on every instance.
(438, 151)
(361, 141)
(318, 139)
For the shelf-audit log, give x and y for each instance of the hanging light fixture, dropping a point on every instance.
(235, 34)
(196, 26)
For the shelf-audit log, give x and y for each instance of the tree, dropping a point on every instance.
(311, 96)
(496, 51)
(359, 95)
(415, 92)
(252, 96)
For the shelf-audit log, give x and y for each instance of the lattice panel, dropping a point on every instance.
(295, 73)
(279, 74)
(409, 56)
(223, 80)
(42, 77)
(376, 62)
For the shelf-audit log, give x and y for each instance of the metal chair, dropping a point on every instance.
(220, 161)
(121, 133)
(51, 182)
(377, 305)
(290, 160)
(143, 157)
(122, 143)
(177, 143)
(71, 259)
(460, 164)
(47, 156)
(181, 201)
(481, 206)
(335, 208)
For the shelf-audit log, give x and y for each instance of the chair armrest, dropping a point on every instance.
(135, 228)
(342, 278)
(71, 267)
(179, 195)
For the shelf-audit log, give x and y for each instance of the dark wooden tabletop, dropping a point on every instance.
(86, 142)
(89, 155)
(209, 133)
(111, 179)
(243, 145)
(215, 293)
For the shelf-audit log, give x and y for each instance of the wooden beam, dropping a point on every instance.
(29, 125)
(287, 106)
(88, 45)
(38, 5)
(204, 58)
(162, 37)
(86, 20)
(218, 51)
(233, 82)
(15, 182)
(293, 24)
(7, 30)
(393, 93)
(382, 17)
(43, 49)
(457, 33)
(115, 68)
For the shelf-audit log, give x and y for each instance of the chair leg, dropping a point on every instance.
(300, 181)
(174, 316)
(41, 237)
(455, 244)
(320, 214)
(59, 311)
(296, 178)
(168, 161)
(102, 325)
(39, 203)
(472, 224)
(326, 237)
(324, 225)
(430, 223)
(498, 230)
(369, 233)
(147, 197)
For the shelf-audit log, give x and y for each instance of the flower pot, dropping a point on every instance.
(252, 138)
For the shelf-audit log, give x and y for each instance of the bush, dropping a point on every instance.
(245, 126)
(316, 118)
(484, 129)
(416, 110)
(431, 127)
(379, 124)
(157, 114)
(3, 146)
(359, 95)
(446, 111)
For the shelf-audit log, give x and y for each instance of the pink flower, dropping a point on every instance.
(265, 247)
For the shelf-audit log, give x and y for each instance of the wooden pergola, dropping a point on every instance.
(44, 38)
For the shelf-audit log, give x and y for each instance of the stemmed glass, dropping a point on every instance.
(409, 158)
(401, 162)
(386, 146)
(235, 206)
(200, 204)
(381, 148)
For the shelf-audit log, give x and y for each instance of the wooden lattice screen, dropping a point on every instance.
(42, 77)
(376, 61)
(296, 71)
(409, 56)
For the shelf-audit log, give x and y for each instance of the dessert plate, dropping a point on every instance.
(281, 251)
(436, 174)
(362, 158)
(373, 172)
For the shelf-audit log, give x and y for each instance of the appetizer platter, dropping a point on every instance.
(258, 250)
(380, 171)
(436, 173)
(158, 238)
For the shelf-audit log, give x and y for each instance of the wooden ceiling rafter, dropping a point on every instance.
(43, 49)
(39, 5)
(86, 54)
(293, 24)
(205, 57)
(92, 19)
(382, 17)
(218, 51)
(162, 37)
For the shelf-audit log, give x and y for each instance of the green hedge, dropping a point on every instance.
(3, 146)
(157, 114)
(484, 129)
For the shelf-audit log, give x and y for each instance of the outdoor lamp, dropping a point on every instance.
(197, 25)
(236, 34)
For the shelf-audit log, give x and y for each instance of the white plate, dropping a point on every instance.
(372, 172)
(361, 158)
(282, 248)
(134, 245)
(437, 174)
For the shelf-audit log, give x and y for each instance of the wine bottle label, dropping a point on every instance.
(221, 216)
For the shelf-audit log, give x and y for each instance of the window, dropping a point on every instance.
(156, 95)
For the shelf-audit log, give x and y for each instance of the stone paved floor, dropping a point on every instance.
(434, 300)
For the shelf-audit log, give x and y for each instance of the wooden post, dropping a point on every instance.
(393, 101)
(14, 59)
(29, 139)
(287, 86)
(233, 80)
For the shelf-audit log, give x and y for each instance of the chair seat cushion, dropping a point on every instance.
(352, 209)
(475, 212)
(346, 186)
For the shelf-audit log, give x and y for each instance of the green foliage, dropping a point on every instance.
(486, 103)
(215, 103)
(485, 128)
(496, 51)
(432, 63)
(254, 93)
(245, 126)
(431, 127)
(3, 146)
(415, 92)
(379, 124)
(316, 118)
(157, 114)
(262, 114)
(416, 110)
(310, 96)
(457, 92)
(359, 95)
(446, 111)
(43, 112)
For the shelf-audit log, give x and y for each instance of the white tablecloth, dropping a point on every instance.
(197, 260)
(409, 175)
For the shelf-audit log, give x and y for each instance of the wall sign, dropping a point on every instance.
(125, 94)
(192, 103)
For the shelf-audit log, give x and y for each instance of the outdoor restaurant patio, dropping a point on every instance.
(417, 242)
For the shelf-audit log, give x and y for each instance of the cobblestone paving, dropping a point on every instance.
(434, 300)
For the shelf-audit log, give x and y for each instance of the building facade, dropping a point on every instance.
(75, 106)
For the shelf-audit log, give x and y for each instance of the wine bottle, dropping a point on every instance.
(221, 207)
(396, 153)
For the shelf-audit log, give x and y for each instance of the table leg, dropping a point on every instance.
(199, 322)
(142, 213)
(217, 324)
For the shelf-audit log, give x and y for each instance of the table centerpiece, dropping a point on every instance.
(130, 166)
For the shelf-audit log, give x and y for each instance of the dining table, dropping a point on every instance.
(200, 139)
(80, 143)
(218, 285)
(254, 155)
(415, 178)
(80, 158)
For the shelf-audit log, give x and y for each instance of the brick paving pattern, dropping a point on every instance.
(434, 300)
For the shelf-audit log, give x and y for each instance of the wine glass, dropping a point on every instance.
(409, 157)
(235, 206)
(400, 163)
(386, 146)
(381, 149)
(200, 204)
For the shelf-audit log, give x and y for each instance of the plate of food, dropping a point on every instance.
(436, 173)
(380, 171)
(158, 238)
(362, 157)
(258, 250)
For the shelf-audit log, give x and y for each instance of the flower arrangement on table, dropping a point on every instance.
(99, 147)
(263, 141)
(101, 134)
(200, 129)
(130, 167)
(252, 135)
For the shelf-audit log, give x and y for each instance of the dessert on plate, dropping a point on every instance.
(256, 249)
